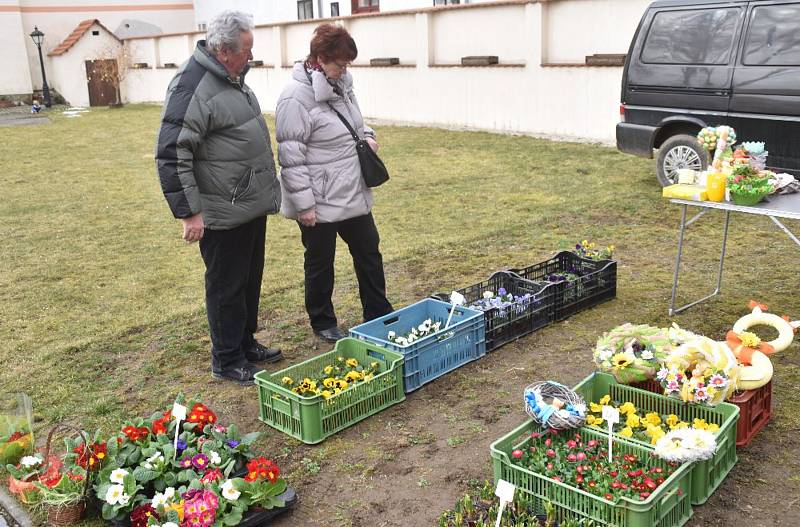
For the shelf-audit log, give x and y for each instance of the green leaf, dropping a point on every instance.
(234, 518)
(248, 439)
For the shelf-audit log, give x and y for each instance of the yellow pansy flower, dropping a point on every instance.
(633, 421)
(330, 382)
(353, 376)
(699, 423)
(672, 420)
(627, 408)
(326, 393)
(353, 363)
(328, 370)
(287, 381)
(653, 418)
(626, 432)
(368, 377)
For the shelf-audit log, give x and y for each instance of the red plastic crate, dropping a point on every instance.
(755, 411)
(755, 408)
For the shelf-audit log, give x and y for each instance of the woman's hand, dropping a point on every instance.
(307, 218)
(373, 144)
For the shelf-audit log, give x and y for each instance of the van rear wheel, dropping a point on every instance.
(679, 151)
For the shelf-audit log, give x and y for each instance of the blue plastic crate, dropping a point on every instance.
(434, 355)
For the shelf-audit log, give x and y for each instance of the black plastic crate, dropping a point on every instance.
(596, 282)
(510, 323)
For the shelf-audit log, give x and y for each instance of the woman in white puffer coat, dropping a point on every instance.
(321, 181)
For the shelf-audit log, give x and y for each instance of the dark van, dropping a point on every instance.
(704, 63)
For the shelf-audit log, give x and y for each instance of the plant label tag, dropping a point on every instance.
(611, 414)
(505, 490)
(179, 412)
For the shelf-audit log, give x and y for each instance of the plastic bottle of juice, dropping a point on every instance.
(715, 186)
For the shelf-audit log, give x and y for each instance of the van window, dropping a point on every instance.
(700, 36)
(773, 38)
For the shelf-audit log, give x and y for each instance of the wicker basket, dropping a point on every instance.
(553, 405)
(61, 515)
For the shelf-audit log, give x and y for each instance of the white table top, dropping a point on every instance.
(785, 206)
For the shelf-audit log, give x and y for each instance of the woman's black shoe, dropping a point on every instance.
(331, 334)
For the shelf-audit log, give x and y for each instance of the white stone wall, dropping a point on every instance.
(15, 78)
(524, 94)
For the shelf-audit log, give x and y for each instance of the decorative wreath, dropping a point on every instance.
(632, 353)
(553, 405)
(751, 351)
(700, 371)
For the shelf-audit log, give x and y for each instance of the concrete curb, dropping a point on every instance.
(19, 514)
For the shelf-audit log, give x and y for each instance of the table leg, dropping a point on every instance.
(672, 309)
(782, 227)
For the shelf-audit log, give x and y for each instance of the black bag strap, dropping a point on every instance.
(344, 121)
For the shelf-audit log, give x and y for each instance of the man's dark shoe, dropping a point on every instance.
(260, 353)
(331, 334)
(243, 375)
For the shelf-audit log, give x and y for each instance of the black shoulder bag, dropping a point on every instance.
(372, 168)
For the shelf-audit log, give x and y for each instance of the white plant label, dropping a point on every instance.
(611, 415)
(504, 491)
(179, 414)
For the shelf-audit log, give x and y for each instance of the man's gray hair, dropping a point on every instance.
(224, 30)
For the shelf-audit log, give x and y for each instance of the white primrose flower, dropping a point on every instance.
(124, 499)
(118, 475)
(155, 458)
(159, 500)
(170, 524)
(229, 492)
(169, 492)
(30, 461)
(148, 466)
(214, 458)
(115, 495)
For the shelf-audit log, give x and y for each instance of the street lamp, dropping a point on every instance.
(38, 37)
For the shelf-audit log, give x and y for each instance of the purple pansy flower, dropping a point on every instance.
(232, 443)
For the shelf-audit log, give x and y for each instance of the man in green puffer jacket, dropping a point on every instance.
(217, 172)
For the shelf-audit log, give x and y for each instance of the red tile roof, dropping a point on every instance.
(76, 34)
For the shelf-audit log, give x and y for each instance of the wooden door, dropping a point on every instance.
(102, 79)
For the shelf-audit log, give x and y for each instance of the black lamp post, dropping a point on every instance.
(38, 37)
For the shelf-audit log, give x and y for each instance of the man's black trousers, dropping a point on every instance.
(234, 266)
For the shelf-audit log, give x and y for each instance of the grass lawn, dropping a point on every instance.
(103, 316)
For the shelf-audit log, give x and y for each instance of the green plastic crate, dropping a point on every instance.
(312, 419)
(706, 475)
(668, 506)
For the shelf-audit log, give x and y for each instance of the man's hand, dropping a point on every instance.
(193, 227)
(373, 144)
(307, 218)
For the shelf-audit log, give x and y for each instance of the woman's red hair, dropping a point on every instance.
(331, 43)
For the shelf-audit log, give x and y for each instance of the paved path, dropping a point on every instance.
(21, 115)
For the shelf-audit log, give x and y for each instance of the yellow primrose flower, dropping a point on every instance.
(596, 408)
(713, 427)
(328, 370)
(287, 381)
(672, 420)
(353, 363)
(627, 408)
(682, 424)
(653, 418)
(633, 421)
(605, 399)
(626, 432)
